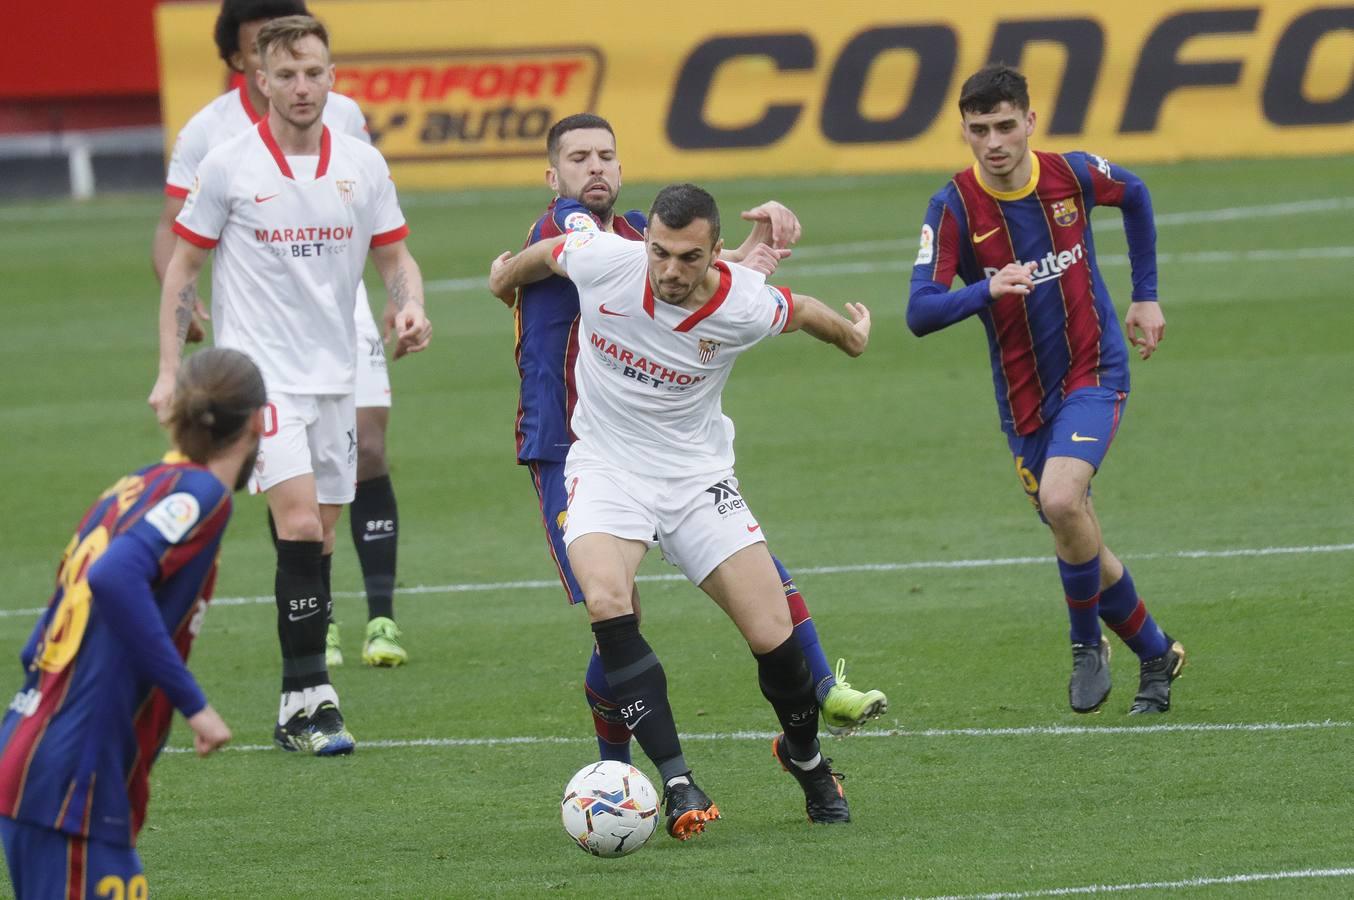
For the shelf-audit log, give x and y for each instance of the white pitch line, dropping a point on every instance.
(1249, 878)
(1021, 731)
(920, 565)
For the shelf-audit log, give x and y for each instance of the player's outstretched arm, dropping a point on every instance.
(178, 296)
(813, 317)
(162, 251)
(774, 225)
(404, 291)
(509, 272)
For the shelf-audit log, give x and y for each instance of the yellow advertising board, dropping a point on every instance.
(462, 93)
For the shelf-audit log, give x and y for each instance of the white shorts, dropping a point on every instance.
(373, 381)
(309, 434)
(697, 522)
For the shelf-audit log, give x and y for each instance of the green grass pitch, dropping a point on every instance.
(1237, 437)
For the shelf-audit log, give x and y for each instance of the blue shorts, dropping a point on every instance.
(548, 478)
(1082, 428)
(45, 863)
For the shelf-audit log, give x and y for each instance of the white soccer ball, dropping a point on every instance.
(610, 808)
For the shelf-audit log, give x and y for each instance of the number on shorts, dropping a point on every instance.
(111, 887)
(269, 420)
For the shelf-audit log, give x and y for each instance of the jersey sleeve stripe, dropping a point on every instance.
(192, 237)
(390, 237)
(789, 306)
(173, 190)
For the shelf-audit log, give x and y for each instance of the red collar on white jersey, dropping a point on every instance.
(706, 309)
(271, 143)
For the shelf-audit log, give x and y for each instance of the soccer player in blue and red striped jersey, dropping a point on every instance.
(585, 174)
(1015, 228)
(104, 669)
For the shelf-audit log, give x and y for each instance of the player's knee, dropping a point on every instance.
(607, 602)
(1062, 504)
(371, 453)
(299, 525)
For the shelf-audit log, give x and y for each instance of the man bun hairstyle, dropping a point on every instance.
(576, 122)
(288, 31)
(678, 205)
(217, 391)
(235, 13)
(991, 86)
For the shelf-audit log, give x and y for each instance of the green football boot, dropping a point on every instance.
(846, 709)
(333, 649)
(382, 647)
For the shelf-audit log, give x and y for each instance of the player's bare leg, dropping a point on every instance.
(605, 567)
(747, 587)
(308, 714)
(374, 521)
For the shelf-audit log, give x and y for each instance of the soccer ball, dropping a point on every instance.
(610, 808)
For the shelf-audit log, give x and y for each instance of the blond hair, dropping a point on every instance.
(288, 31)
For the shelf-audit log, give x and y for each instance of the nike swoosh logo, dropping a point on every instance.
(378, 537)
(259, 198)
(296, 618)
(1076, 438)
(631, 725)
(753, 529)
(606, 312)
(979, 238)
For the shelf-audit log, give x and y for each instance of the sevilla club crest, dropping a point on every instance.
(708, 349)
(345, 190)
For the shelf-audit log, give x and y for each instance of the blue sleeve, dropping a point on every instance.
(120, 581)
(566, 209)
(31, 648)
(1106, 184)
(931, 305)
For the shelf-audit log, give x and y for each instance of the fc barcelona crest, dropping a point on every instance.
(708, 349)
(345, 190)
(1064, 212)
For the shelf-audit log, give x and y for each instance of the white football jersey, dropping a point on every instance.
(232, 114)
(290, 251)
(650, 374)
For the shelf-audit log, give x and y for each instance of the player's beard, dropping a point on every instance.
(602, 209)
(246, 468)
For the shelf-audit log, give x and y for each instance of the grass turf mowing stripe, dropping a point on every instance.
(1249, 878)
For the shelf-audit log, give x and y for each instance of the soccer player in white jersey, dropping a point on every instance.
(374, 516)
(291, 208)
(661, 324)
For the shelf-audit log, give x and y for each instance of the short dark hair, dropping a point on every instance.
(677, 205)
(216, 392)
(235, 13)
(576, 122)
(991, 86)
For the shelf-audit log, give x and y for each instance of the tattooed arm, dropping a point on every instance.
(178, 296)
(404, 292)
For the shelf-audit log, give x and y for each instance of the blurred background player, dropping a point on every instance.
(1016, 229)
(105, 669)
(295, 208)
(661, 325)
(584, 171)
(374, 517)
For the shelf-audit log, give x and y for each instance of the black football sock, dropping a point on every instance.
(641, 690)
(786, 682)
(375, 523)
(301, 623)
(326, 582)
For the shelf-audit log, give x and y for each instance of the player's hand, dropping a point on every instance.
(498, 282)
(1145, 318)
(860, 328)
(764, 259)
(1014, 278)
(774, 224)
(209, 731)
(162, 397)
(413, 330)
(196, 332)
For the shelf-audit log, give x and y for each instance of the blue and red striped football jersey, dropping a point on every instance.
(78, 741)
(547, 339)
(1064, 335)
